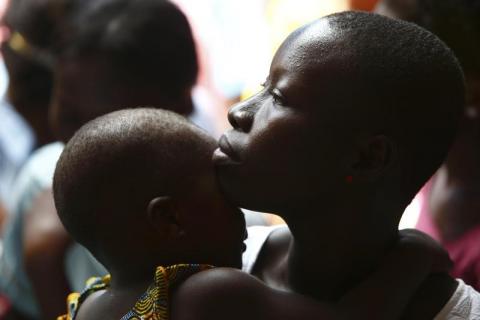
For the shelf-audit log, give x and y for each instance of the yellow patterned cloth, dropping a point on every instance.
(152, 305)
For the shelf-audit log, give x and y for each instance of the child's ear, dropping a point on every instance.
(374, 157)
(162, 216)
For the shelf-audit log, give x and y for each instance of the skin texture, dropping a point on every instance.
(296, 150)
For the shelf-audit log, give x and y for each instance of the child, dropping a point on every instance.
(110, 54)
(358, 112)
(137, 188)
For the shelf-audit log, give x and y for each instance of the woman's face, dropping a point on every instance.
(285, 147)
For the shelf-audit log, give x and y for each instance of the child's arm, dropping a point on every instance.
(231, 294)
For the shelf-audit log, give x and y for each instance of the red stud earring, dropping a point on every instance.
(349, 179)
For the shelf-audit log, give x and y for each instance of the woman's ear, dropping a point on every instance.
(375, 155)
(162, 216)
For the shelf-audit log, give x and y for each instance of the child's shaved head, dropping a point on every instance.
(115, 165)
(126, 157)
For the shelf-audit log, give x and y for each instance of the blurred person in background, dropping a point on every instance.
(449, 204)
(30, 28)
(109, 55)
(23, 108)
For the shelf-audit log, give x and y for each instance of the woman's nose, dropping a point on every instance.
(241, 115)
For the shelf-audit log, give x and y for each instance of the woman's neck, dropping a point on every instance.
(327, 257)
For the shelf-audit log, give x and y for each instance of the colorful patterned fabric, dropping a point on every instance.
(152, 305)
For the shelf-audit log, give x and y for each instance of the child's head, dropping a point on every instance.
(123, 53)
(357, 106)
(137, 188)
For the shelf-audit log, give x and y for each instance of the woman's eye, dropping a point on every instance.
(277, 96)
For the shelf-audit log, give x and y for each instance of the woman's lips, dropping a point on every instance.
(225, 146)
(225, 152)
